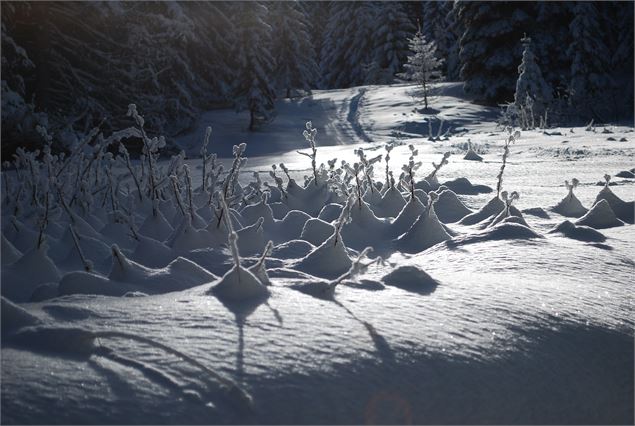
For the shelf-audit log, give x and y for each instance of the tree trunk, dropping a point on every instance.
(425, 95)
(252, 120)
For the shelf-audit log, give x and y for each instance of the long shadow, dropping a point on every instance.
(384, 350)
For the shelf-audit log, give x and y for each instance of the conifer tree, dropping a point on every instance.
(253, 86)
(530, 82)
(423, 65)
(292, 50)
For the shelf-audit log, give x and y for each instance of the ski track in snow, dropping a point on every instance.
(536, 330)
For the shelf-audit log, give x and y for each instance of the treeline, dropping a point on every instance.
(74, 65)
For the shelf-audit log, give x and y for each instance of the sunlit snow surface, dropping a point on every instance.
(517, 330)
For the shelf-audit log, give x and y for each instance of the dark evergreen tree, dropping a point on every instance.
(490, 47)
(293, 53)
(590, 59)
(253, 83)
(390, 47)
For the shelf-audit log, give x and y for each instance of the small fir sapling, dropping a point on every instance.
(510, 139)
(309, 135)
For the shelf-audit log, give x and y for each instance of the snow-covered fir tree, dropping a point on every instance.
(589, 79)
(390, 47)
(423, 65)
(292, 50)
(253, 79)
(531, 84)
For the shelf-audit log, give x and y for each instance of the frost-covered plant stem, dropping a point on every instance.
(177, 193)
(208, 133)
(88, 265)
(571, 186)
(133, 173)
(358, 267)
(309, 135)
(437, 167)
(510, 139)
(188, 182)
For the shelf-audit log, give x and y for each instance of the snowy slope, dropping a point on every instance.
(498, 324)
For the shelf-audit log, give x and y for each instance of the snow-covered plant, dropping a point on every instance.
(353, 172)
(177, 193)
(436, 167)
(150, 150)
(343, 218)
(277, 180)
(388, 147)
(188, 183)
(410, 169)
(309, 134)
(88, 265)
(206, 158)
(571, 186)
(133, 172)
(510, 139)
(607, 179)
(432, 199)
(357, 268)
(367, 166)
(423, 65)
(509, 200)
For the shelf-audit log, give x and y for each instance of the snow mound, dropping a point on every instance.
(622, 209)
(293, 249)
(600, 216)
(251, 239)
(570, 206)
(10, 254)
(537, 211)
(506, 230)
(464, 187)
(582, 233)
(626, 174)
(329, 260)
(449, 208)
(471, 155)
(406, 217)
(156, 226)
(237, 285)
(14, 317)
(316, 231)
(152, 253)
(424, 233)
(411, 278)
(330, 212)
(391, 203)
(21, 278)
(491, 209)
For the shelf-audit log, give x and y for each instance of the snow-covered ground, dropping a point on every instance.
(526, 321)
